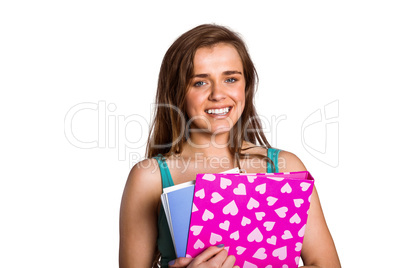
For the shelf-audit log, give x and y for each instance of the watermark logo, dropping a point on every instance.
(129, 134)
(112, 129)
(320, 134)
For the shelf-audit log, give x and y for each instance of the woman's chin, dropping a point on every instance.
(221, 130)
(214, 130)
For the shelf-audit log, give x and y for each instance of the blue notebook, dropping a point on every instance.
(177, 202)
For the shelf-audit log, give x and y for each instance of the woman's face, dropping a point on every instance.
(216, 94)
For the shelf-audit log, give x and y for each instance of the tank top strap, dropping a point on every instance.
(164, 240)
(167, 180)
(273, 155)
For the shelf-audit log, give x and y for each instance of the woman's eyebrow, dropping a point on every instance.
(200, 75)
(231, 72)
(224, 73)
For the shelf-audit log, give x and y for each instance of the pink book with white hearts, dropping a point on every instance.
(260, 218)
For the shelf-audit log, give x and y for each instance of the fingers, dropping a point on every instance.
(229, 262)
(219, 259)
(180, 262)
(215, 256)
(209, 253)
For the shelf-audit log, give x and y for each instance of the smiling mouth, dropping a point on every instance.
(221, 111)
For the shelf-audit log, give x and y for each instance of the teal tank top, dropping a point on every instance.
(165, 243)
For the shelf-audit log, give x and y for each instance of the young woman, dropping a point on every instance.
(205, 122)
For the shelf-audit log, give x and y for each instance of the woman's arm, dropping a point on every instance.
(138, 216)
(318, 247)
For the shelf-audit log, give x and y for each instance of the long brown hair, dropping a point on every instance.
(167, 134)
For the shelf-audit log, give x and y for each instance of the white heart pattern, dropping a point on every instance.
(196, 229)
(200, 194)
(260, 254)
(208, 215)
(235, 235)
(251, 178)
(199, 244)
(298, 202)
(298, 246)
(259, 215)
(260, 218)
(269, 225)
(271, 200)
(225, 183)
(209, 177)
(224, 225)
(281, 253)
(240, 250)
(272, 240)
(262, 188)
(252, 203)
(297, 260)
(216, 197)
(304, 186)
(245, 221)
(287, 235)
(255, 235)
(194, 209)
(215, 238)
(249, 265)
(286, 188)
(240, 190)
(302, 230)
(231, 209)
(295, 219)
(281, 212)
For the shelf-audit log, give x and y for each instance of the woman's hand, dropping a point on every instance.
(215, 256)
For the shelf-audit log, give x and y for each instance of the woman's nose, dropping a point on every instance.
(217, 92)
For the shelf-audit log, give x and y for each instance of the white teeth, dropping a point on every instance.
(218, 111)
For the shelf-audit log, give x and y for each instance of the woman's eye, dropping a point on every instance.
(199, 84)
(231, 80)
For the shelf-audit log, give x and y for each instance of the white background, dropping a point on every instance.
(59, 202)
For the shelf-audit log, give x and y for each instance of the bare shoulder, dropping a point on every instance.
(144, 180)
(147, 169)
(288, 162)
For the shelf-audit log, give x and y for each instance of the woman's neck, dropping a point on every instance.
(208, 145)
(212, 150)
